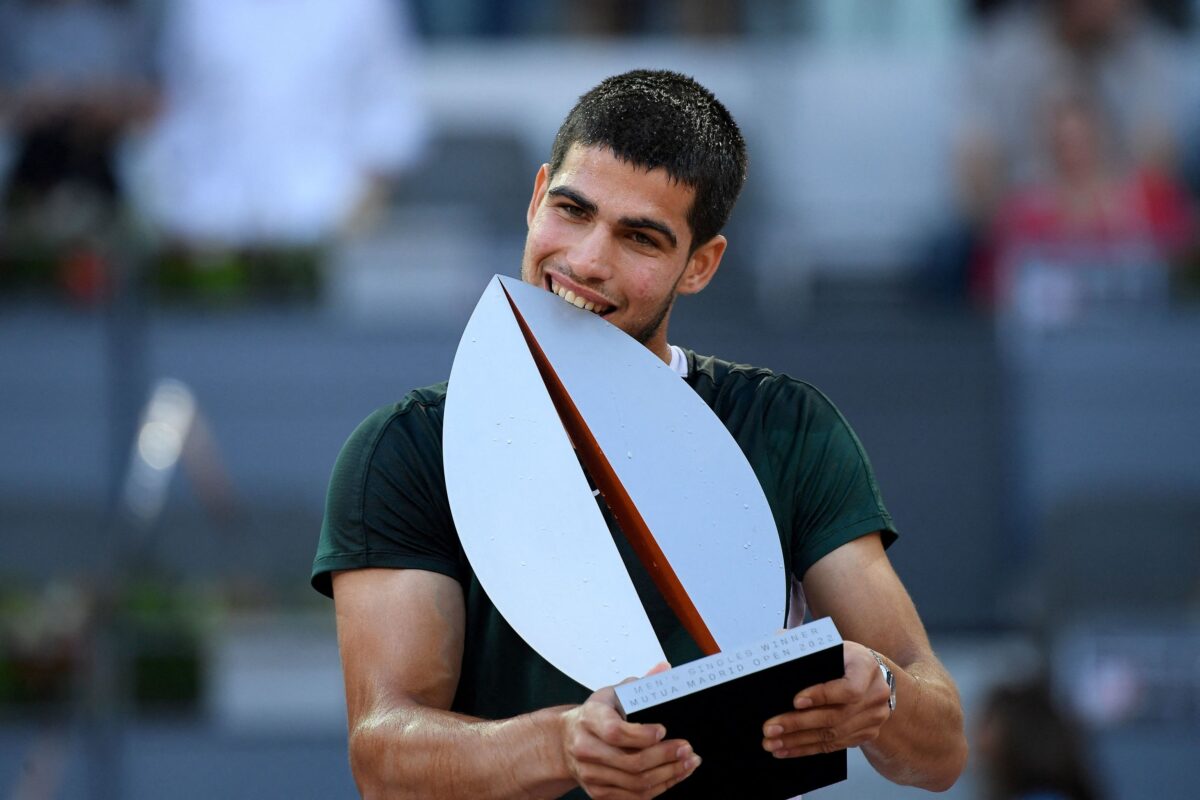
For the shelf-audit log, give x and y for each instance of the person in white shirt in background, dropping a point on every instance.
(282, 120)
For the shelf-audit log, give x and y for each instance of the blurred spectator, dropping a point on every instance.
(75, 76)
(1028, 749)
(1090, 211)
(1110, 48)
(283, 121)
(527, 18)
(638, 17)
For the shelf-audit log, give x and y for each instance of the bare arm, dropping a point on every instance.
(400, 633)
(922, 743)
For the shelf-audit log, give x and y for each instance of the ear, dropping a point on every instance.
(541, 183)
(702, 266)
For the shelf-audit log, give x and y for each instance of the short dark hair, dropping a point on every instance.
(661, 119)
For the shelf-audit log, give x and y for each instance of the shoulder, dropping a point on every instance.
(811, 464)
(728, 386)
(393, 437)
(419, 410)
(427, 401)
(790, 421)
(386, 503)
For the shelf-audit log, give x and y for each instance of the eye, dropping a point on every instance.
(640, 238)
(573, 211)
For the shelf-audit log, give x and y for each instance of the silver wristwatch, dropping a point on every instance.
(889, 678)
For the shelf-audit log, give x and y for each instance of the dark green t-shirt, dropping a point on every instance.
(387, 507)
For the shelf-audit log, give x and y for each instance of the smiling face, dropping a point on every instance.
(613, 238)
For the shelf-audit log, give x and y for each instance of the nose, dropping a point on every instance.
(590, 257)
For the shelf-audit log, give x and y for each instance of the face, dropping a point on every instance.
(613, 238)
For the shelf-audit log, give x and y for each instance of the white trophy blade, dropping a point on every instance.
(686, 475)
(526, 516)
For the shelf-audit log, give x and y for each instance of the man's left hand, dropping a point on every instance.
(835, 715)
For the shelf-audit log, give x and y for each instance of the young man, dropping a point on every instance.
(444, 699)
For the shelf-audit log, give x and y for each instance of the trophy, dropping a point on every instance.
(547, 401)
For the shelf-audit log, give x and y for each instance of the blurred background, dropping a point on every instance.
(230, 230)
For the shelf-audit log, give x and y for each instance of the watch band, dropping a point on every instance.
(888, 678)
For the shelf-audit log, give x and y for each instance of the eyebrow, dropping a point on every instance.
(575, 197)
(652, 224)
(628, 222)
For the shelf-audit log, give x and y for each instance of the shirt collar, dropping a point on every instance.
(679, 361)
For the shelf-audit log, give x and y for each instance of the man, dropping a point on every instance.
(444, 699)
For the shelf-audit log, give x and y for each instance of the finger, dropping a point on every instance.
(599, 778)
(826, 744)
(851, 732)
(635, 762)
(682, 772)
(601, 718)
(611, 729)
(820, 740)
(836, 692)
(817, 739)
(672, 753)
(630, 735)
(841, 718)
(807, 735)
(811, 719)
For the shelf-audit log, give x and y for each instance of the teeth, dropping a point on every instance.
(572, 298)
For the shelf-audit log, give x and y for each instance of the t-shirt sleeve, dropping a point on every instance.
(827, 475)
(387, 505)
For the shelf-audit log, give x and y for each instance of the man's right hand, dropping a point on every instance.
(612, 758)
